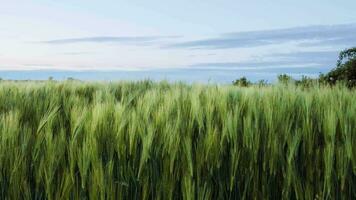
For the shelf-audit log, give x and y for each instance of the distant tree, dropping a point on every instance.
(262, 83)
(306, 81)
(322, 78)
(345, 70)
(50, 78)
(243, 82)
(284, 79)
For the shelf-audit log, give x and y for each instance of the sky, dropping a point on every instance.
(179, 40)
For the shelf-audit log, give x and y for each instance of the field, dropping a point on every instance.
(144, 140)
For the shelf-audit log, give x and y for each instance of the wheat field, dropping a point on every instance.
(146, 140)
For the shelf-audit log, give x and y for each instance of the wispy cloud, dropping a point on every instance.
(307, 57)
(201, 55)
(293, 62)
(75, 53)
(139, 40)
(38, 65)
(343, 34)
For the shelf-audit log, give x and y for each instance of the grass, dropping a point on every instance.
(144, 140)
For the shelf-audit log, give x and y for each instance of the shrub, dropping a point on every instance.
(345, 70)
(242, 82)
(306, 82)
(284, 79)
(262, 83)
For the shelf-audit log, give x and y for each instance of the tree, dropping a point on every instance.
(243, 82)
(262, 83)
(306, 82)
(345, 70)
(284, 79)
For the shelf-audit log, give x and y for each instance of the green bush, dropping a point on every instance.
(262, 83)
(345, 71)
(284, 79)
(307, 82)
(242, 82)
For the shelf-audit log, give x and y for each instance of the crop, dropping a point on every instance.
(144, 140)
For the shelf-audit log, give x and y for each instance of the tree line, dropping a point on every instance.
(344, 72)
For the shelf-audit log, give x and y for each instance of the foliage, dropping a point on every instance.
(242, 82)
(284, 79)
(306, 82)
(345, 71)
(262, 83)
(75, 140)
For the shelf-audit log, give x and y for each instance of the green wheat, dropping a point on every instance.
(145, 140)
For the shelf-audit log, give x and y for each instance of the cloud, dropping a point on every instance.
(38, 65)
(75, 53)
(343, 34)
(255, 65)
(201, 55)
(317, 57)
(294, 62)
(139, 40)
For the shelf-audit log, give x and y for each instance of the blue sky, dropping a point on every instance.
(257, 38)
